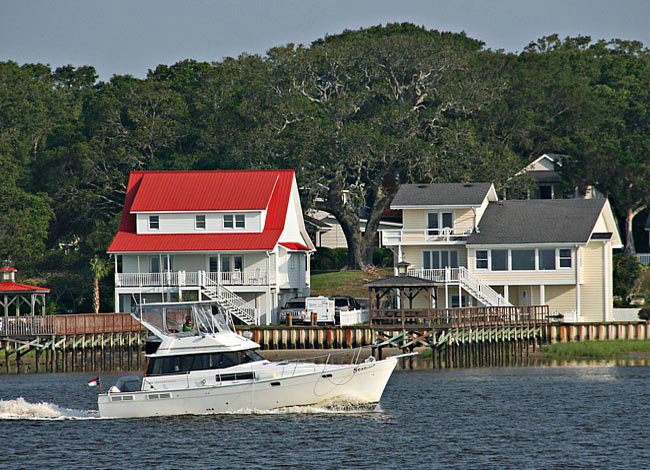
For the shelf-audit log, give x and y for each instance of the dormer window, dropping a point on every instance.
(154, 222)
(234, 221)
(199, 222)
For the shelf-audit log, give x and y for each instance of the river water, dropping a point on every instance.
(595, 416)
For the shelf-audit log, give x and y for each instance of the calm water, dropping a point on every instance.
(538, 417)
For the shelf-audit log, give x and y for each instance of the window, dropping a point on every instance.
(234, 221)
(523, 260)
(214, 264)
(205, 361)
(439, 220)
(154, 222)
(481, 259)
(565, 258)
(232, 263)
(455, 301)
(200, 222)
(438, 259)
(499, 260)
(167, 263)
(546, 260)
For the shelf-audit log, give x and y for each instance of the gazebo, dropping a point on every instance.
(17, 295)
(391, 300)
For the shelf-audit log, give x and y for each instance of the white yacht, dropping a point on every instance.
(202, 366)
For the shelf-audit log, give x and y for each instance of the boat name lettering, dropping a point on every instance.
(363, 367)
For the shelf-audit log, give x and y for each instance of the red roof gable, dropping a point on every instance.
(195, 191)
(13, 287)
(295, 246)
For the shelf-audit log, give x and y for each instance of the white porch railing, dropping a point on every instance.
(252, 277)
(461, 276)
(415, 237)
(644, 258)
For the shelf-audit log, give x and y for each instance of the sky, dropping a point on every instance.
(132, 36)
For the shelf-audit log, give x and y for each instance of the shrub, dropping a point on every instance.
(644, 313)
(382, 258)
(626, 271)
(328, 259)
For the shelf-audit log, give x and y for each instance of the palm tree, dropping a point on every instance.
(100, 269)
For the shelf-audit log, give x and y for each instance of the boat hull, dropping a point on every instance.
(359, 384)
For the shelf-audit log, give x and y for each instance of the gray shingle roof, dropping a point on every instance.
(456, 194)
(538, 221)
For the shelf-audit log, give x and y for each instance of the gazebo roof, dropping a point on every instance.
(9, 287)
(401, 282)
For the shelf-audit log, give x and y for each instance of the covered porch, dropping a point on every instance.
(181, 270)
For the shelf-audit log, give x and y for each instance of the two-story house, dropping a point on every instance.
(235, 237)
(484, 251)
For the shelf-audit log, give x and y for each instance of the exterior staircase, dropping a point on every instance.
(228, 300)
(461, 276)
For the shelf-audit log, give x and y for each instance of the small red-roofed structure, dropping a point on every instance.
(13, 294)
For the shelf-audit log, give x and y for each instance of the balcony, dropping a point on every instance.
(251, 277)
(426, 236)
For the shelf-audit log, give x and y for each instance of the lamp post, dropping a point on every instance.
(402, 268)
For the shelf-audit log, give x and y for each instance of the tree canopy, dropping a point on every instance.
(355, 114)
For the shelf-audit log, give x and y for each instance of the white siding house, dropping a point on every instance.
(235, 237)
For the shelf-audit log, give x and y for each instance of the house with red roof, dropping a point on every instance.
(234, 237)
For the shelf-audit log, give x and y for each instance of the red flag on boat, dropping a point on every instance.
(93, 382)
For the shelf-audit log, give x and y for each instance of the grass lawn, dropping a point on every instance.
(596, 349)
(346, 282)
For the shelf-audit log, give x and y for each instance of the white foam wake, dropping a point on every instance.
(334, 406)
(22, 409)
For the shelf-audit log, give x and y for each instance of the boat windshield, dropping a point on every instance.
(184, 318)
(204, 361)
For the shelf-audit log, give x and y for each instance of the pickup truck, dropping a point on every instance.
(301, 309)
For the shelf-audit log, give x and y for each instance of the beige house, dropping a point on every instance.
(483, 251)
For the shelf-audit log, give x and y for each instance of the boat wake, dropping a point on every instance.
(21, 409)
(335, 406)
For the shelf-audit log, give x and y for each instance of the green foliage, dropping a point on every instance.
(355, 114)
(382, 257)
(626, 272)
(329, 259)
(644, 313)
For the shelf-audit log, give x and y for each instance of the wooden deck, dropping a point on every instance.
(466, 317)
(66, 325)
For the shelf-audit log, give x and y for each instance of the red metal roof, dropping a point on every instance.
(15, 288)
(294, 246)
(193, 191)
(183, 191)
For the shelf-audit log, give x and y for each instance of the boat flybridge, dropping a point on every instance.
(202, 366)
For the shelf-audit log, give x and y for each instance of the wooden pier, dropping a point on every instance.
(72, 343)
(463, 337)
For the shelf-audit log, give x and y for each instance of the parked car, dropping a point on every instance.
(302, 308)
(348, 311)
(295, 307)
